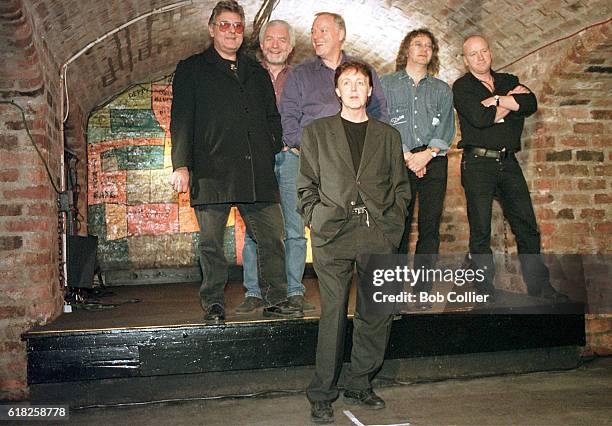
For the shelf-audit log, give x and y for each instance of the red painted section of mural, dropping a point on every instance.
(152, 219)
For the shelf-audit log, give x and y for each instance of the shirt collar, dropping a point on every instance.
(264, 65)
(404, 74)
(319, 64)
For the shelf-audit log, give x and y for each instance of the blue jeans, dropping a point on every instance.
(286, 169)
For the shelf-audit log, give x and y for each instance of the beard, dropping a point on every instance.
(280, 59)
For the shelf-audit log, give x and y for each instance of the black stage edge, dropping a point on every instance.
(77, 355)
(104, 392)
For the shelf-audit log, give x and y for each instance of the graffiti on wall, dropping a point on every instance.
(139, 220)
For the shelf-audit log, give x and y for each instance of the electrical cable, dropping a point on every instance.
(195, 398)
(553, 42)
(281, 392)
(25, 124)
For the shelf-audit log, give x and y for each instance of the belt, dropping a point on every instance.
(419, 149)
(359, 210)
(489, 153)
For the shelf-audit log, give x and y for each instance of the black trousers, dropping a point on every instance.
(484, 179)
(264, 224)
(334, 265)
(430, 191)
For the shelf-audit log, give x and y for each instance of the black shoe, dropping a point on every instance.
(283, 310)
(368, 399)
(321, 412)
(299, 302)
(553, 295)
(215, 313)
(249, 305)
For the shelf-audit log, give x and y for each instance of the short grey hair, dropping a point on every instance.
(338, 20)
(281, 22)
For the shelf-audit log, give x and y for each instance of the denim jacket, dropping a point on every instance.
(423, 114)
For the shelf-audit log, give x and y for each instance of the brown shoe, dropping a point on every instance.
(249, 305)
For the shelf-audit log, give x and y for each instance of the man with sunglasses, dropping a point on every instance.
(226, 130)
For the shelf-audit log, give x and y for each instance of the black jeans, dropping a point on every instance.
(484, 179)
(264, 224)
(430, 190)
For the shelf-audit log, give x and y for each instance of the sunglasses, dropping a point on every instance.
(225, 25)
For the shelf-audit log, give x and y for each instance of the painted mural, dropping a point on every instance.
(139, 220)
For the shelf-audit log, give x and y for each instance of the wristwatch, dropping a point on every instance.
(434, 154)
(496, 100)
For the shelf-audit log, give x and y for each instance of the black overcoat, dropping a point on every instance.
(225, 129)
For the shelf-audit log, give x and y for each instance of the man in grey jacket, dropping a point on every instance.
(353, 192)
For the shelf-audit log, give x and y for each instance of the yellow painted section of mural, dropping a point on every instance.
(140, 221)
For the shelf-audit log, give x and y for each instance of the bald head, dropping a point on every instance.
(473, 39)
(477, 55)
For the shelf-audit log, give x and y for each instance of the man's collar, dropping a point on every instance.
(493, 74)
(213, 56)
(404, 75)
(319, 64)
(265, 66)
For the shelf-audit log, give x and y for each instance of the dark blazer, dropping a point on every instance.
(328, 185)
(225, 130)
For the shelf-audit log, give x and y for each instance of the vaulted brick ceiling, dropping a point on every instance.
(151, 47)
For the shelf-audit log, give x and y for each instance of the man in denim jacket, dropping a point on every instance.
(421, 108)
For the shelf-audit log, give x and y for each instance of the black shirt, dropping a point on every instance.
(355, 135)
(478, 127)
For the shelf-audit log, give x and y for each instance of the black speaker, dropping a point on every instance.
(82, 260)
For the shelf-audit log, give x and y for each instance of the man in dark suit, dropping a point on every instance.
(225, 133)
(353, 191)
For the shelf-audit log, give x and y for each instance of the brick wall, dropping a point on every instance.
(29, 289)
(567, 158)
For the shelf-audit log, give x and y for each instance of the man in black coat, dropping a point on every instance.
(226, 131)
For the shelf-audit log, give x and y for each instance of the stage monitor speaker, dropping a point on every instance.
(82, 260)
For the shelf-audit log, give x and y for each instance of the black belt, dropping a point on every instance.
(419, 149)
(489, 153)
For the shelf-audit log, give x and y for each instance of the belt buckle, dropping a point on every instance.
(503, 153)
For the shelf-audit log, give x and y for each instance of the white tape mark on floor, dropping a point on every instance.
(355, 420)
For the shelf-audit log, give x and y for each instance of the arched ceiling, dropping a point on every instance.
(151, 47)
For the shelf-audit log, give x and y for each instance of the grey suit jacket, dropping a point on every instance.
(327, 184)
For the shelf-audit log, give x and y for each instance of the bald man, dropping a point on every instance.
(492, 108)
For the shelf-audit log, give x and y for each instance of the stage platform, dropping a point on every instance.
(157, 330)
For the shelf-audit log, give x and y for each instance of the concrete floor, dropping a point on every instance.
(578, 397)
